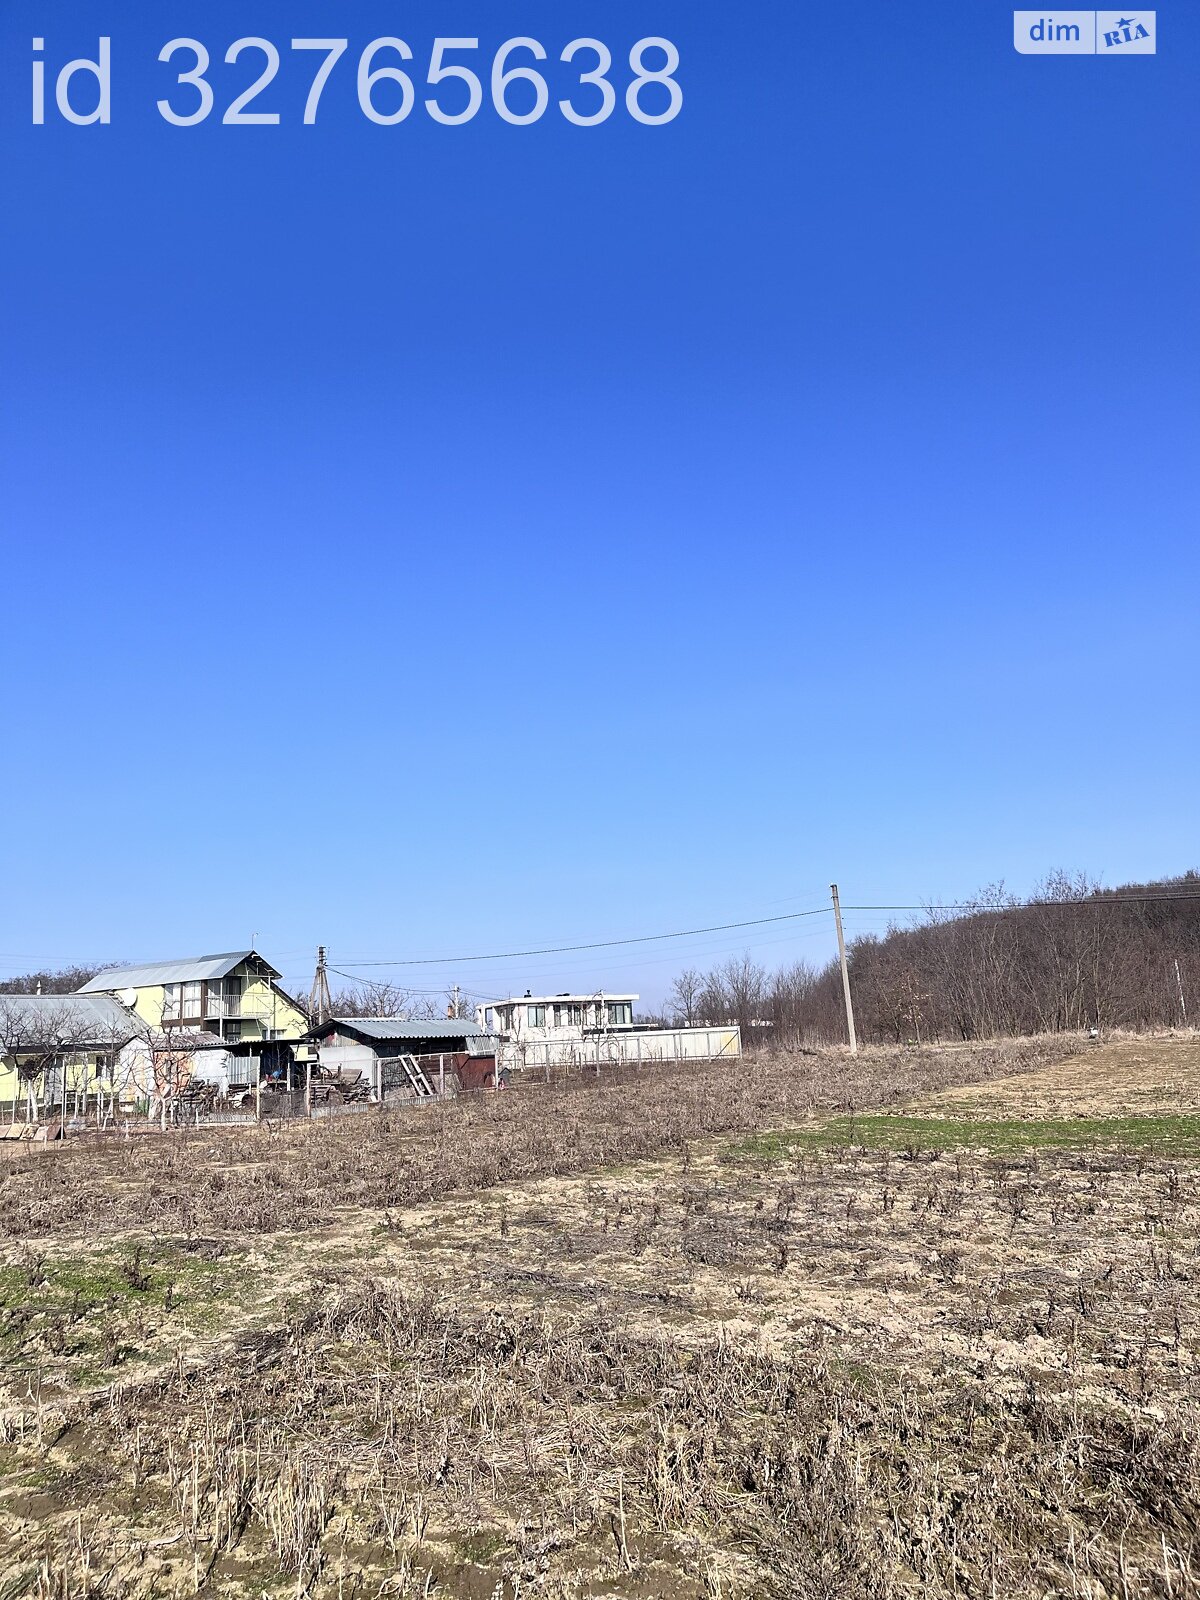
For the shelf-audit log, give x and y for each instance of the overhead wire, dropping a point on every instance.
(595, 944)
(928, 906)
(354, 970)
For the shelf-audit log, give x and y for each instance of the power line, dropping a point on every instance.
(356, 977)
(623, 969)
(974, 908)
(597, 944)
(968, 906)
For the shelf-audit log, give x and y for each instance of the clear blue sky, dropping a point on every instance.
(433, 540)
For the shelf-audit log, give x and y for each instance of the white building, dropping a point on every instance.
(556, 1017)
(540, 1031)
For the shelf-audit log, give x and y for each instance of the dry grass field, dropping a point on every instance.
(922, 1323)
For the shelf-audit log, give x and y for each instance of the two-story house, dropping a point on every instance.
(235, 996)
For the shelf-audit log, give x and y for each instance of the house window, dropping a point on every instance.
(489, 1017)
(620, 1012)
(170, 1011)
(569, 1016)
(535, 1016)
(233, 1030)
(191, 1000)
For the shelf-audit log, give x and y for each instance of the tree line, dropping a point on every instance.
(1071, 956)
(64, 980)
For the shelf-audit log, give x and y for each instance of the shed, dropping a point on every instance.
(390, 1036)
(459, 1044)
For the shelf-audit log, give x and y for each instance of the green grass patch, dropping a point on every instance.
(915, 1136)
(88, 1313)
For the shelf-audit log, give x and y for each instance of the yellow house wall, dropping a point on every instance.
(263, 1003)
(81, 1074)
(149, 1004)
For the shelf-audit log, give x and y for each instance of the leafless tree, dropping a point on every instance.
(790, 1003)
(683, 1002)
(733, 991)
(744, 985)
(63, 980)
(41, 1040)
(1071, 955)
(368, 999)
(459, 1003)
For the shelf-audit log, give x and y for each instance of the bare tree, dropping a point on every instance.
(1071, 955)
(683, 1001)
(790, 1002)
(459, 1003)
(42, 1037)
(368, 999)
(63, 980)
(743, 985)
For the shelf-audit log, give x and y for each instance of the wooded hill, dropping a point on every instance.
(1072, 956)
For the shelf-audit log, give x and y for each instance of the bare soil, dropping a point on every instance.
(923, 1324)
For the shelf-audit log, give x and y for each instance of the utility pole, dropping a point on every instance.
(320, 1006)
(837, 917)
(1179, 984)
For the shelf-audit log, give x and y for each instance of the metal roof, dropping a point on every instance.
(189, 969)
(83, 1019)
(406, 1028)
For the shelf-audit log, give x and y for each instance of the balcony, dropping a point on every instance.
(226, 1006)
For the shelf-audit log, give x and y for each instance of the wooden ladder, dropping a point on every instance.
(415, 1074)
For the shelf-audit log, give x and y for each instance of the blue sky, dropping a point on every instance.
(453, 539)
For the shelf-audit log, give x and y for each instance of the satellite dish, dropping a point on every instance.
(128, 997)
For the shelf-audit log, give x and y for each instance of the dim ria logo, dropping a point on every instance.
(1084, 33)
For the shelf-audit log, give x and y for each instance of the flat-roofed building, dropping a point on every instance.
(548, 1030)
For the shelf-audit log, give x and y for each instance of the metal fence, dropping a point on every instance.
(647, 1047)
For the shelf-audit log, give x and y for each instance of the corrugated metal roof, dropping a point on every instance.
(189, 969)
(405, 1028)
(85, 1019)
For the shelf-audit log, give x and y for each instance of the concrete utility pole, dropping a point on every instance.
(837, 917)
(320, 1006)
